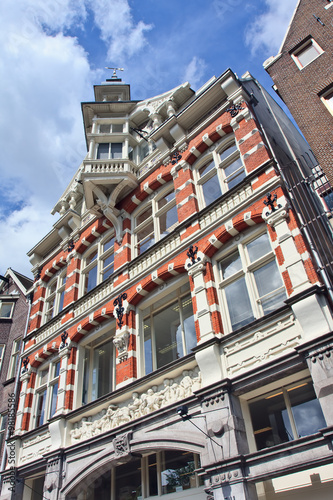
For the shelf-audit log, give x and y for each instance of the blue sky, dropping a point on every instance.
(54, 51)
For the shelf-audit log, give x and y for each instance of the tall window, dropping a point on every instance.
(99, 368)
(156, 220)
(251, 285)
(112, 150)
(55, 294)
(98, 262)
(46, 393)
(307, 53)
(6, 309)
(168, 329)
(286, 414)
(3, 426)
(2, 354)
(14, 359)
(221, 171)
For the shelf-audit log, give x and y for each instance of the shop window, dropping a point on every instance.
(155, 220)
(113, 150)
(99, 368)
(307, 53)
(46, 392)
(286, 414)
(222, 170)
(251, 285)
(98, 262)
(168, 329)
(6, 309)
(14, 359)
(55, 295)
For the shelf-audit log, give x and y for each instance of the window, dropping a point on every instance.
(111, 128)
(286, 414)
(99, 368)
(251, 284)
(307, 53)
(158, 219)
(222, 171)
(168, 329)
(2, 354)
(6, 309)
(46, 392)
(3, 427)
(55, 295)
(112, 150)
(98, 262)
(14, 359)
(327, 99)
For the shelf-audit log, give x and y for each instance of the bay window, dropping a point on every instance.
(46, 392)
(168, 329)
(112, 150)
(251, 285)
(111, 128)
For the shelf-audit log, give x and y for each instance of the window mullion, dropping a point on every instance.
(153, 343)
(290, 413)
(182, 325)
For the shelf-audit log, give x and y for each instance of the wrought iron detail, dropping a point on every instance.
(270, 202)
(118, 303)
(25, 363)
(176, 157)
(64, 337)
(235, 109)
(192, 255)
(71, 246)
(38, 275)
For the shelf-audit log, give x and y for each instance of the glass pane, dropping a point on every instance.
(103, 151)
(41, 408)
(306, 409)
(144, 215)
(54, 399)
(168, 197)
(109, 260)
(258, 247)
(268, 279)
(100, 489)
(86, 371)
(44, 375)
(143, 151)
(6, 310)
(230, 265)
(117, 128)
(145, 238)
(3, 420)
(91, 257)
(104, 128)
(239, 305)
(128, 481)
(177, 472)
(57, 369)
(206, 168)
(236, 179)
(148, 346)
(152, 470)
(108, 243)
(188, 323)
(61, 300)
(211, 190)
(235, 165)
(168, 221)
(116, 150)
(168, 335)
(270, 421)
(102, 370)
(227, 152)
(91, 279)
(308, 54)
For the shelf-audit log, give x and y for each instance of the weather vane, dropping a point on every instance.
(114, 75)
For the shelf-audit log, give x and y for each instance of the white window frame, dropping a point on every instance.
(295, 54)
(98, 262)
(112, 126)
(2, 354)
(155, 216)
(3, 428)
(54, 300)
(14, 358)
(52, 378)
(110, 154)
(327, 99)
(248, 268)
(3, 303)
(219, 168)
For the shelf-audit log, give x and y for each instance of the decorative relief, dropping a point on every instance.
(37, 439)
(322, 354)
(152, 400)
(121, 343)
(121, 445)
(235, 109)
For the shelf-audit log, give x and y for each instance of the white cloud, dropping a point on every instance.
(118, 29)
(266, 32)
(194, 72)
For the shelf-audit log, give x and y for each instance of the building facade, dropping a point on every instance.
(180, 336)
(14, 314)
(302, 72)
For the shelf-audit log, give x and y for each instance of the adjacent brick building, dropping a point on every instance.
(181, 320)
(302, 72)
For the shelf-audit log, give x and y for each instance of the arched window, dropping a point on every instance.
(156, 219)
(222, 170)
(98, 262)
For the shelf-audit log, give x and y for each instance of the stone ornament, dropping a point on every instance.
(121, 342)
(141, 404)
(121, 445)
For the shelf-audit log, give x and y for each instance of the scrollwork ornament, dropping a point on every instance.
(119, 308)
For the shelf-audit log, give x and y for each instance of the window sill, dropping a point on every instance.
(8, 381)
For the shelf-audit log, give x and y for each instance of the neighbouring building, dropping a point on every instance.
(302, 72)
(14, 314)
(180, 335)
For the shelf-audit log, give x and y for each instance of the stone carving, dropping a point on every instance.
(140, 405)
(121, 445)
(121, 343)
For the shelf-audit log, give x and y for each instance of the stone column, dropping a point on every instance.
(53, 477)
(124, 341)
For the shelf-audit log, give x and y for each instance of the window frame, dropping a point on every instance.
(155, 218)
(6, 302)
(46, 388)
(301, 49)
(219, 168)
(14, 358)
(101, 256)
(3, 427)
(2, 354)
(111, 126)
(248, 268)
(55, 297)
(110, 154)
(327, 99)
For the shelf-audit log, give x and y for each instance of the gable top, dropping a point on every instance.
(22, 282)
(289, 26)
